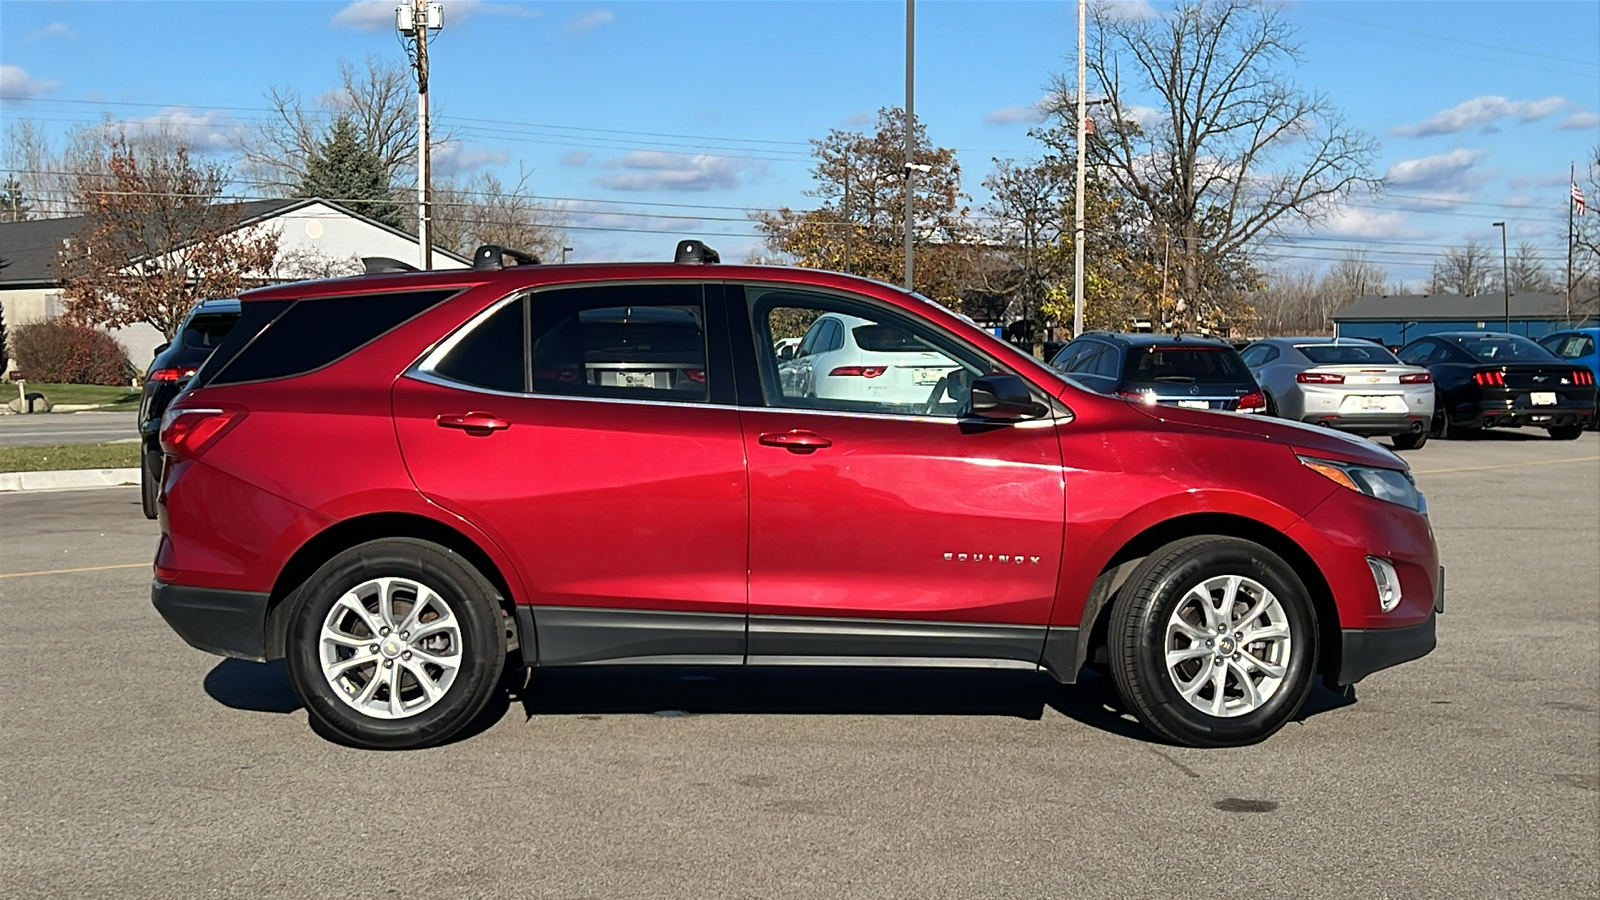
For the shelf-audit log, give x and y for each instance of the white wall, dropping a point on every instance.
(320, 229)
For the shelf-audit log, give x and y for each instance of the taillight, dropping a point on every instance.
(171, 374)
(187, 432)
(698, 376)
(862, 371)
(1416, 378)
(1148, 398)
(1255, 401)
(1319, 378)
(1490, 379)
(1582, 376)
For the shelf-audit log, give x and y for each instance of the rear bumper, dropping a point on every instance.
(227, 623)
(1497, 414)
(1356, 423)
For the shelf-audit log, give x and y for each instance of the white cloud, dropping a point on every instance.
(1524, 200)
(454, 159)
(864, 117)
(590, 21)
(367, 15)
(595, 217)
(1483, 110)
(1443, 171)
(1012, 114)
(1359, 222)
(54, 30)
(1580, 120)
(211, 131)
(1127, 9)
(576, 157)
(17, 85)
(379, 15)
(653, 170)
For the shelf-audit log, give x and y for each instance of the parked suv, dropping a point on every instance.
(175, 363)
(376, 479)
(1163, 369)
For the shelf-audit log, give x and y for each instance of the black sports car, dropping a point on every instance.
(1492, 380)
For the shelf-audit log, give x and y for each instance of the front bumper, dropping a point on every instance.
(1367, 650)
(227, 623)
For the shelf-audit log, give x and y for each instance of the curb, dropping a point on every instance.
(68, 480)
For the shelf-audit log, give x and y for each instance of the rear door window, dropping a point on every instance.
(637, 342)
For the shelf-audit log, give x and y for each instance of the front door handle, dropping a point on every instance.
(796, 441)
(474, 422)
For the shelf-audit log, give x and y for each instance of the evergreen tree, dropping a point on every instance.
(14, 207)
(346, 171)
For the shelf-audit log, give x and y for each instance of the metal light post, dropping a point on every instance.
(911, 126)
(1505, 269)
(414, 19)
(1077, 214)
(564, 252)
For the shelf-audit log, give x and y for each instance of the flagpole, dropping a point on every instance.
(1572, 180)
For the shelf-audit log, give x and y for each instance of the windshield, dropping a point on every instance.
(1503, 348)
(1188, 365)
(1346, 354)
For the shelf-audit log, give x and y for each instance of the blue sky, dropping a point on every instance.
(675, 117)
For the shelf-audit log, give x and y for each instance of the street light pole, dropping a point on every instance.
(1505, 268)
(911, 126)
(1077, 201)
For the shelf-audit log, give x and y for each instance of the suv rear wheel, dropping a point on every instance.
(396, 644)
(1213, 642)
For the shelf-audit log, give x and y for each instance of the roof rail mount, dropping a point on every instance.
(695, 253)
(493, 257)
(381, 265)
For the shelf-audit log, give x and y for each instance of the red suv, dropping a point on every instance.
(405, 483)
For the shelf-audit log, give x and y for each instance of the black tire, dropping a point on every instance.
(1272, 406)
(1137, 640)
(1566, 432)
(150, 481)
(1410, 441)
(470, 597)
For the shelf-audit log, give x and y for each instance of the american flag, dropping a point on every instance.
(1577, 198)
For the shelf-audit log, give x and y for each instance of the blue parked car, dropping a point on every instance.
(1580, 346)
(1166, 369)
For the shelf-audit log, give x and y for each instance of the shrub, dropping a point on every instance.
(62, 353)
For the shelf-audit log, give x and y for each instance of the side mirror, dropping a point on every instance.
(160, 349)
(786, 353)
(1004, 398)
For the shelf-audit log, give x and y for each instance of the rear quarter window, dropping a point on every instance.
(316, 332)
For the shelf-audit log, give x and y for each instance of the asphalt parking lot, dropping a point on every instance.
(134, 766)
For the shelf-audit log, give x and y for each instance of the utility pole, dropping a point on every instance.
(911, 127)
(1077, 200)
(414, 20)
(1505, 273)
(848, 227)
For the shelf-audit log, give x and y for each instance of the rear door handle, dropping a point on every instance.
(796, 441)
(474, 421)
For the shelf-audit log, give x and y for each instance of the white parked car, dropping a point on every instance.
(847, 358)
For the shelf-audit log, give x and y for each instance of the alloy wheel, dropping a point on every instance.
(1228, 645)
(390, 647)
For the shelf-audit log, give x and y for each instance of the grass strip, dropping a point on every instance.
(60, 457)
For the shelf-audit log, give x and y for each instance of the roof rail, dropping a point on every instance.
(494, 257)
(695, 253)
(380, 265)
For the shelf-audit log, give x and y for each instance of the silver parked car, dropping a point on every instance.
(1345, 383)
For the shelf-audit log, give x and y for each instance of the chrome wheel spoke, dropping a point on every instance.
(1243, 659)
(374, 674)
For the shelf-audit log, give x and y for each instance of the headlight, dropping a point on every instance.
(1384, 484)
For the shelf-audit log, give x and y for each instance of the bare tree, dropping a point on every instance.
(1354, 276)
(1028, 214)
(156, 238)
(1233, 150)
(377, 96)
(1466, 270)
(1528, 271)
(483, 210)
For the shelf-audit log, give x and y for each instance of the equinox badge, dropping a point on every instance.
(1005, 558)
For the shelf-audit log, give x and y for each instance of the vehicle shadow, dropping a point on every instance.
(757, 690)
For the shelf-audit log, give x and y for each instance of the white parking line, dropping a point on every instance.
(143, 565)
(1547, 462)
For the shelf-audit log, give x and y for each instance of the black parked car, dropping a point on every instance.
(205, 327)
(1167, 369)
(1491, 380)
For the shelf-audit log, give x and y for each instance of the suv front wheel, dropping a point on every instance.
(395, 644)
(1213, 642)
